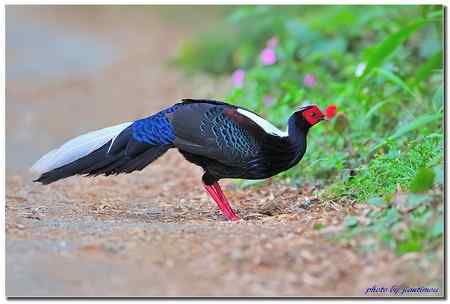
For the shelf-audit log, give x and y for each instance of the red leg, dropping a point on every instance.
(219, 191)
(217, 195)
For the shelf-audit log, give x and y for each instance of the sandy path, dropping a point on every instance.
(155, 233)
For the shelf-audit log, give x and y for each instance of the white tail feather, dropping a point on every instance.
(77, 148)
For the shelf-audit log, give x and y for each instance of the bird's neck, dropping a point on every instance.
(296, 140)
(286, 152)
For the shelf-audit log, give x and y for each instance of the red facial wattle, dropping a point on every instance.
(313, 115)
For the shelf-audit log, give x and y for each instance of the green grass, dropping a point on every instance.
(402, 220)
(414, 229)
(398, 167)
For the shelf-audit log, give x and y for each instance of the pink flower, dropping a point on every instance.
(309, 80)
(268, 56)
(238, 78)
(268, 100)
(272, 42)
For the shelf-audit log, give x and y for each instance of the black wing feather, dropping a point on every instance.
(203, 128)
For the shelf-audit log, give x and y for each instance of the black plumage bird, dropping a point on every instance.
(225, 140)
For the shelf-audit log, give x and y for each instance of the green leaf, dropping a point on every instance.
(376, 201)
(410, 245)
(411, 126)
(438, 97)
(439, 171)
(387, 238)
(395, 79)
(433, 63)
(389, 197)
(423, 180)
(412, 241)
(351, 221)
(318, 226)
(436, 14)
(438, 229)
(415, 124)
(415, 200)
(386, 48)
(375, 108)
(391, 217)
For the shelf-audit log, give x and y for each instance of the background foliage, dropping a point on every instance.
(383, 68)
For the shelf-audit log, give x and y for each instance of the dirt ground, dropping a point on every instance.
(155, 232)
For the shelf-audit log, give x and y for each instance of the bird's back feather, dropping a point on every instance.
(204, 128)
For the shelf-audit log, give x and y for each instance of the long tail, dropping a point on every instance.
(107, 151)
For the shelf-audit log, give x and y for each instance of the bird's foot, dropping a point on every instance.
(217, 195)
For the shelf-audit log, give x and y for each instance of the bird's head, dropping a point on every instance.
(309, 115)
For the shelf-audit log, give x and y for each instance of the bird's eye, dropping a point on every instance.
(313, 114)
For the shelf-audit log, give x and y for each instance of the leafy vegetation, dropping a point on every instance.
(386, 172)
(382, 67)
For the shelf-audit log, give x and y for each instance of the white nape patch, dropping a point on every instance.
(77, 148)
(267, 126)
